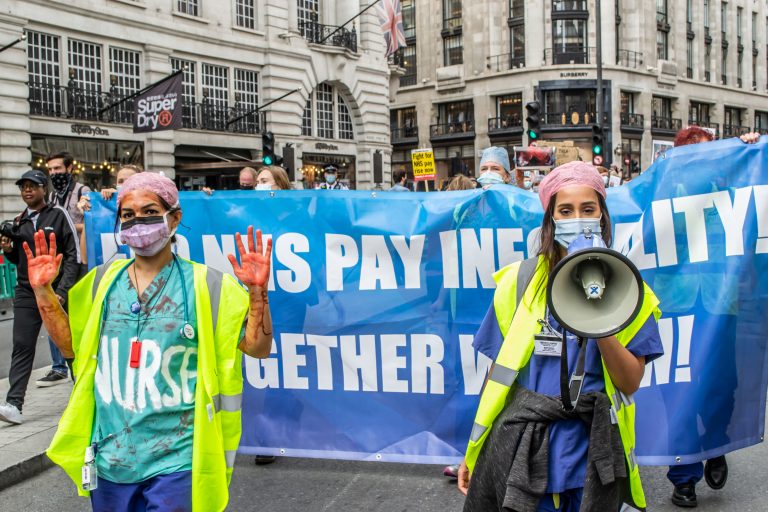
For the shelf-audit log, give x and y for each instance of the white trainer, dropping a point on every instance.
(10, 414)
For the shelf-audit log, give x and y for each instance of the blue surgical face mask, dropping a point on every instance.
(567, 230)
(330, 178)
(490, 178)
(263, 186)
(527, 184)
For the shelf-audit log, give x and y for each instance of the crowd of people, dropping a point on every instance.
(177, 450)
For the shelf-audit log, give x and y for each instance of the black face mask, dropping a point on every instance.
(151, 219)
(246, 187)
(60, 182)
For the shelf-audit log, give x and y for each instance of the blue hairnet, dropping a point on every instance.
(496, 154)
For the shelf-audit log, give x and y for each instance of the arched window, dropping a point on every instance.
(326, 115)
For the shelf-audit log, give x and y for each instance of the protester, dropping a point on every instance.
(26, 318)
(246, 180)
(684, 477)
(494, 167)
(273, 177)
(66, 193)
(170, 442)
(573, 199)
(460, 182)
(400, 177)
(331, 176)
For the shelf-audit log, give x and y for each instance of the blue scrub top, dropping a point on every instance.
(568, 439)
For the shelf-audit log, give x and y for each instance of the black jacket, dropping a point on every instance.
(50, 219)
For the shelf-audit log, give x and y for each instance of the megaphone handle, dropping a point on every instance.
(565, 392)
(577, 379)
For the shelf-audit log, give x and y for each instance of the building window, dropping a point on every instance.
(570, 41)
(724, 67)
(631, 155)
(761, 122)
(699, 113)
(453, 43)
(570, 107)
(662, 30)
(215, 81)
(125, 79)
(346, 132)
(188, 85)
(324, 98)
(307, 14)
(689, 58)
(85, 65)
(403, 123)
(739, 33)
(44, 73)
(723, 20)
(627, 102)
(246, 88)
(409, 63)
(306, 118)
(456, 117)
(707, 62)
(191, 7)
(406, 57)
(516, 24)
(245, 13)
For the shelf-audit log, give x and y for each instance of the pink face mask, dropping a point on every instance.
(146, 235)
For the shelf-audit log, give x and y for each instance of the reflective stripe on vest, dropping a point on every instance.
(229, 403)
(229, 456)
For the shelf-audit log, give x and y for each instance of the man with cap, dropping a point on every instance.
(26, 323)
(331, 174)
(494, 167)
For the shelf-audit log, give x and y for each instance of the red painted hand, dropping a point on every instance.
(43, 266)
(253, 269)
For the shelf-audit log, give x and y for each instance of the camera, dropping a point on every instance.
(10, 229)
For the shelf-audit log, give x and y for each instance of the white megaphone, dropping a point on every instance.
(594, 291)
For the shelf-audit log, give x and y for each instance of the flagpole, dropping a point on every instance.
(17, 41)
(262, 106)
(142, 91)
(348, 21)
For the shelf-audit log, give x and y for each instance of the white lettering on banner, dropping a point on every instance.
(215, 255)
(761, 206)
(659, 370)
(477, 258)
(733, 214)
(474, 365)
(664, 226)
(298, 277)
(140, 388)
(376, 265)
(628, 240)
(478, 255)
(340, 253)
(411, 258)
(506, 238)
(408, 363)
(449, 247)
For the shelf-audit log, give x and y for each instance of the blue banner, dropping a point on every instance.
(376, 296)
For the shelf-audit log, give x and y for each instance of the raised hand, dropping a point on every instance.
(253, 270)
(43, 266)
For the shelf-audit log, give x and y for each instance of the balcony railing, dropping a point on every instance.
(504, 62)
(505, 124)
(574, 118)
(636, 121)
(76, 103)
(629, 59)
(706, 124)
(666, 124)
(576, 55)
(761, 131)
(317, 33)
(404, 135)
(451, 130)
(734, 130)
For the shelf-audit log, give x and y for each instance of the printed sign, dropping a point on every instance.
(160, 107)
(423, 161)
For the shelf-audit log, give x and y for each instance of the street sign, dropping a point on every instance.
(423, 161)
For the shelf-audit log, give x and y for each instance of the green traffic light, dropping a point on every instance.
(532, 135)
(597, 150)
(267, 160)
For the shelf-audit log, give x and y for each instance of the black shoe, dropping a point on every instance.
(51, 379)
(684, 495)
(265, 459)
(716, 472)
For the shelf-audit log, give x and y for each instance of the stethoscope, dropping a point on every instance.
(187, 331)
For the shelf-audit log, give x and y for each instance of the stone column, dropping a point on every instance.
(158, 146)
(15, 139)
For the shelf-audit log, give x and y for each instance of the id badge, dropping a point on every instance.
(548, 345)
(90, 479)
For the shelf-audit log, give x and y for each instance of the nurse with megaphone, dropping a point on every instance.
(570, 332)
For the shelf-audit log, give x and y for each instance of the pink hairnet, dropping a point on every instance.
(153, 182)
(567, 175)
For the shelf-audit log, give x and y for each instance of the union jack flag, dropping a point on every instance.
(391, 18)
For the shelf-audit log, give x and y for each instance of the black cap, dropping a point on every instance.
(330, 168)
(34, 176)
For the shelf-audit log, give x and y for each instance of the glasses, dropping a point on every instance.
(29, 186)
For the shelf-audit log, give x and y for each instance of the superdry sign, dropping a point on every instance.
(159, 108)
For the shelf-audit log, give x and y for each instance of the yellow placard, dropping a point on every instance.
(423, 162)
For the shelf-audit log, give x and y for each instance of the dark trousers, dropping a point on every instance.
(26, 328)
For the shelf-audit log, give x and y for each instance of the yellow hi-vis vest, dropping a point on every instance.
(518, 321)
(221, 305)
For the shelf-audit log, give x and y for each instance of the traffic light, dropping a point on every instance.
(268, 148)
(597, 145)
(533, 121)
